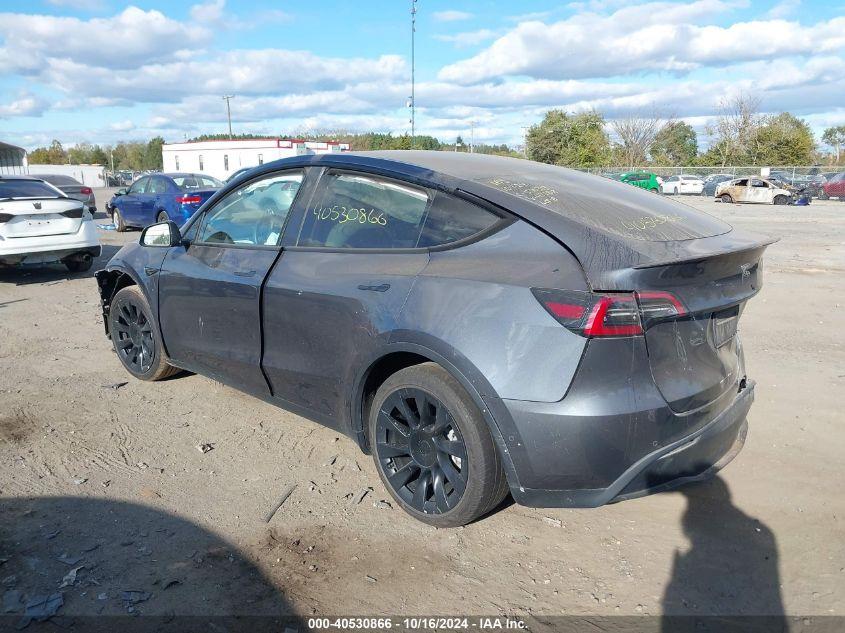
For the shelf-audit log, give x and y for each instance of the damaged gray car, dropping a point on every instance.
(480, 325)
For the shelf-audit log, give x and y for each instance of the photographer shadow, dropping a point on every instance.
(728, 580)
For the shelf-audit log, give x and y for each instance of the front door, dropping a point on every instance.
(130, 203)
(210, 290)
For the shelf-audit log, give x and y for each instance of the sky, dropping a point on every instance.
(101, 71)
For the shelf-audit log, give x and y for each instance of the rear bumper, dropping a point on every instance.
(614, 436)
(50, 248)
(694, 457)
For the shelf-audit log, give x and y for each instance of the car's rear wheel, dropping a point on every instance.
(432, 448)
(781, 199)
(726, 198)
(135, 337)
(117, 220)
(162, 216)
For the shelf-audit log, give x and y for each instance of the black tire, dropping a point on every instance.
(79, 265)
(781, 200)
(447, 449)
(135, 337)
(726, 198)
(162, 216)
(117, 220)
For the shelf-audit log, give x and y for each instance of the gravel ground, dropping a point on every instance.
(110, 479)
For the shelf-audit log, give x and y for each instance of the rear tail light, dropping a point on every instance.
(188, 199)
(86, 190)
(593, 314)
(73, 213)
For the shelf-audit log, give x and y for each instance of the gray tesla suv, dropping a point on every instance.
(480, 325)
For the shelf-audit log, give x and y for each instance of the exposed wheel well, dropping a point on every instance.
(378, 372)
(110, 283)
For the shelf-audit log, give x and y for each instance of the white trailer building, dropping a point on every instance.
(222, 158)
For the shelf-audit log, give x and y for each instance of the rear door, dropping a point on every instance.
(337, 290)
(210, 290)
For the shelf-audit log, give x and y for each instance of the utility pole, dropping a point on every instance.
(229, 112)
(411, 102)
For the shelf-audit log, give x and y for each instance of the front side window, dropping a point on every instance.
(254, 214)
(358, 211)
(261, 159)
(226, 162)
(758, 183)
(177, 163)
(202, 165)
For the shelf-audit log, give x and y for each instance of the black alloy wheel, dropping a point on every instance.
(433, 449)
(421, 451)
(135, 337)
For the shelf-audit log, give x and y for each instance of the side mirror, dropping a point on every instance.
(163, 234)
(121, 192)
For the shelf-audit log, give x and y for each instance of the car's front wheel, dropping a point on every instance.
(135, 338)
(432, 448)
(117, 220)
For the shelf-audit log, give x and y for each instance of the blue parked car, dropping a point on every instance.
(161, 197)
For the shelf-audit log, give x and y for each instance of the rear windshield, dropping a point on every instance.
(60, 180)
(611, 207)
(187, 183)
(26, 189)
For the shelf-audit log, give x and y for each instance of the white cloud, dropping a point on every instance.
(122, 126)
(468, 38)
(126, 40)
(646, 38)
(783, 9)
(451, 16)
(25, 105)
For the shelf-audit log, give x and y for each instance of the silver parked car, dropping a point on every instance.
(72, 188)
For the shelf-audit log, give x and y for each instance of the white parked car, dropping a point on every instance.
(682, 184)
(753, 189)
(41, 225)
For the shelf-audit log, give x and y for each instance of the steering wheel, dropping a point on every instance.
(220, 237)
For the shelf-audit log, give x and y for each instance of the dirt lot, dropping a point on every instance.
(112, 480)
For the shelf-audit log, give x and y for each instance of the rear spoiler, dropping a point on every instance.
(694, 257)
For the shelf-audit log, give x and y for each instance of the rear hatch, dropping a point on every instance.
(690, 273)
(694, 351)
(39, 217)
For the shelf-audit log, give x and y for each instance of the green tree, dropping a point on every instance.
(782, 139)
(835, 138)
(152, 153)
(53, 155)
(573, 140)
(675, 144)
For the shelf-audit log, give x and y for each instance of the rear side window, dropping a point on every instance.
(358, 211)
(361, 211)
(451, 219)
(157, 185)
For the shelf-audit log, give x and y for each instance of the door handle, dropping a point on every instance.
(244, 273)
(150, 270)
(380, 288)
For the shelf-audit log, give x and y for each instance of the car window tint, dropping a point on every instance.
(157, 185)
(139, 186)
(451, 219)
(741, 183)
(253, 214)
(26, 189)
(358, 211)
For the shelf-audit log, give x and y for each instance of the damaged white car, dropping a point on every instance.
(41, 225)
(753, 189)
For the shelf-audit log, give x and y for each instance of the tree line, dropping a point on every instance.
(126, 155)
(739, 135)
